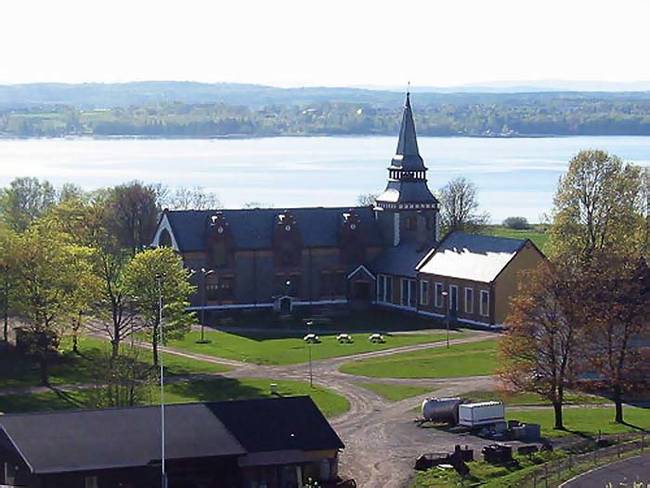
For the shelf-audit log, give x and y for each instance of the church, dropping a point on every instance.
(390, 254)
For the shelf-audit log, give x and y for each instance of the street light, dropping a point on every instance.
(204, 273)
(311, 375)
(445, 296)
(163, 472)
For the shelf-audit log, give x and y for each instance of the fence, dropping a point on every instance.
(553, 473)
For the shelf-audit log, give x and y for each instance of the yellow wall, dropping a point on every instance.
(507, 283)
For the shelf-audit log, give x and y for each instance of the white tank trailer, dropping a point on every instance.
(480, 414)
(441, 410)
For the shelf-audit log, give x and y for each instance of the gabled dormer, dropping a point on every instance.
(287, 241)
(351, 238)
(219, 242)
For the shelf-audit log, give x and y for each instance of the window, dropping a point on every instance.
(485, 303)
(412, 294)
(453, 298)
(411, 223)
(424, 292)
(438, 297)
(222, 289)
(408, 297)
(405, 292)
(385, 288)
(469, 300)
(91, 482)
(10, 473)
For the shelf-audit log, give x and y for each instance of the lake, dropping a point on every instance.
(514, 176)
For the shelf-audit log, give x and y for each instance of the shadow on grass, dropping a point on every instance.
(216, 389)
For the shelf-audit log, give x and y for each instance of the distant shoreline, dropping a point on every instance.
(306, 136)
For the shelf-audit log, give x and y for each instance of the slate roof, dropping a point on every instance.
(57, 442)
(471, 256)
(407, 155)
(253, 228)
(400, 260)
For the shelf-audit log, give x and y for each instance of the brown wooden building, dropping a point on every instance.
(276, 443)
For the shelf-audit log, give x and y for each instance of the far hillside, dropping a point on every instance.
(538, 233)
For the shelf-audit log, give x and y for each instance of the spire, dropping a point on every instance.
(407, 154)
(408, 143)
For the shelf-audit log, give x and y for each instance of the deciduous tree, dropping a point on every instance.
(459, 206)
(538, 348)
(156, 277)
(24, 200)
(598, 207)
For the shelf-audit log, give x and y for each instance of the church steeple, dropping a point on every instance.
(408, 154)
(407, 180)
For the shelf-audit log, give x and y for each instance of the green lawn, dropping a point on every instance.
(394, 392)
(485, 474)
(586, 421)
(282, 348)
(523, 399)
(330, 403)
(537, 234)
(473, 359)
(70, 368)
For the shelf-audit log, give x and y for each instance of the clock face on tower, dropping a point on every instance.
(353, 226)
(287, 228)
(220, 230)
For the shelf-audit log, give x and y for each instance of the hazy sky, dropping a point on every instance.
(332, 42)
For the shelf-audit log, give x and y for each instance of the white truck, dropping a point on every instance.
(481, 414)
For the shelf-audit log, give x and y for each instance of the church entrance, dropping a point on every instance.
(361, 291)
(285, 306)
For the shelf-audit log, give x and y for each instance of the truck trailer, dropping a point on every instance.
(481, 414)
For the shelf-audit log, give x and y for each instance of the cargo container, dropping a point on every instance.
(480, 414)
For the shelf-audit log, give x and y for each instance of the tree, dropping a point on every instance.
(157, 275)
(24, 201)
(367, 199)
(195, 198)
(598, 207)
(7, 276)
(132, 214)
(123, 380)
(50, 272)
(519, 223)
(71, 191)
(537, 351)
(459, 206)
(619, 307)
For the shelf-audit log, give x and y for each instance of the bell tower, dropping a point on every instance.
(407, 211)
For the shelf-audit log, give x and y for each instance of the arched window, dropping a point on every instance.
(165, 239)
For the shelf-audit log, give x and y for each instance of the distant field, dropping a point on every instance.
(330, 403)
(278, 349)
(474, 359)
(537, 234)
(523, 399)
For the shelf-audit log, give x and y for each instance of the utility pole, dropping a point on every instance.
(445, 296)
(163, 472)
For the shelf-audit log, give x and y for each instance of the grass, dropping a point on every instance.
(485, 474)
(532, 399)
(587, 421)
(71, 369)
(536, 233)
(473, 359)
(330, 403)
(394, 392)
(273, 348)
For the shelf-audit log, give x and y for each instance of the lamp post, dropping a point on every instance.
(445, 296)
(311, 374)
(204, 273)
(163, 471)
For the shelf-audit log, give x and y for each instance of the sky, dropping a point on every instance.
(330, 43)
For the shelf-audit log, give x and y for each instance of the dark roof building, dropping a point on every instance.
(313, 257)
(229, 438)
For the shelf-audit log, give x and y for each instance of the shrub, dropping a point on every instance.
(518, 223)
